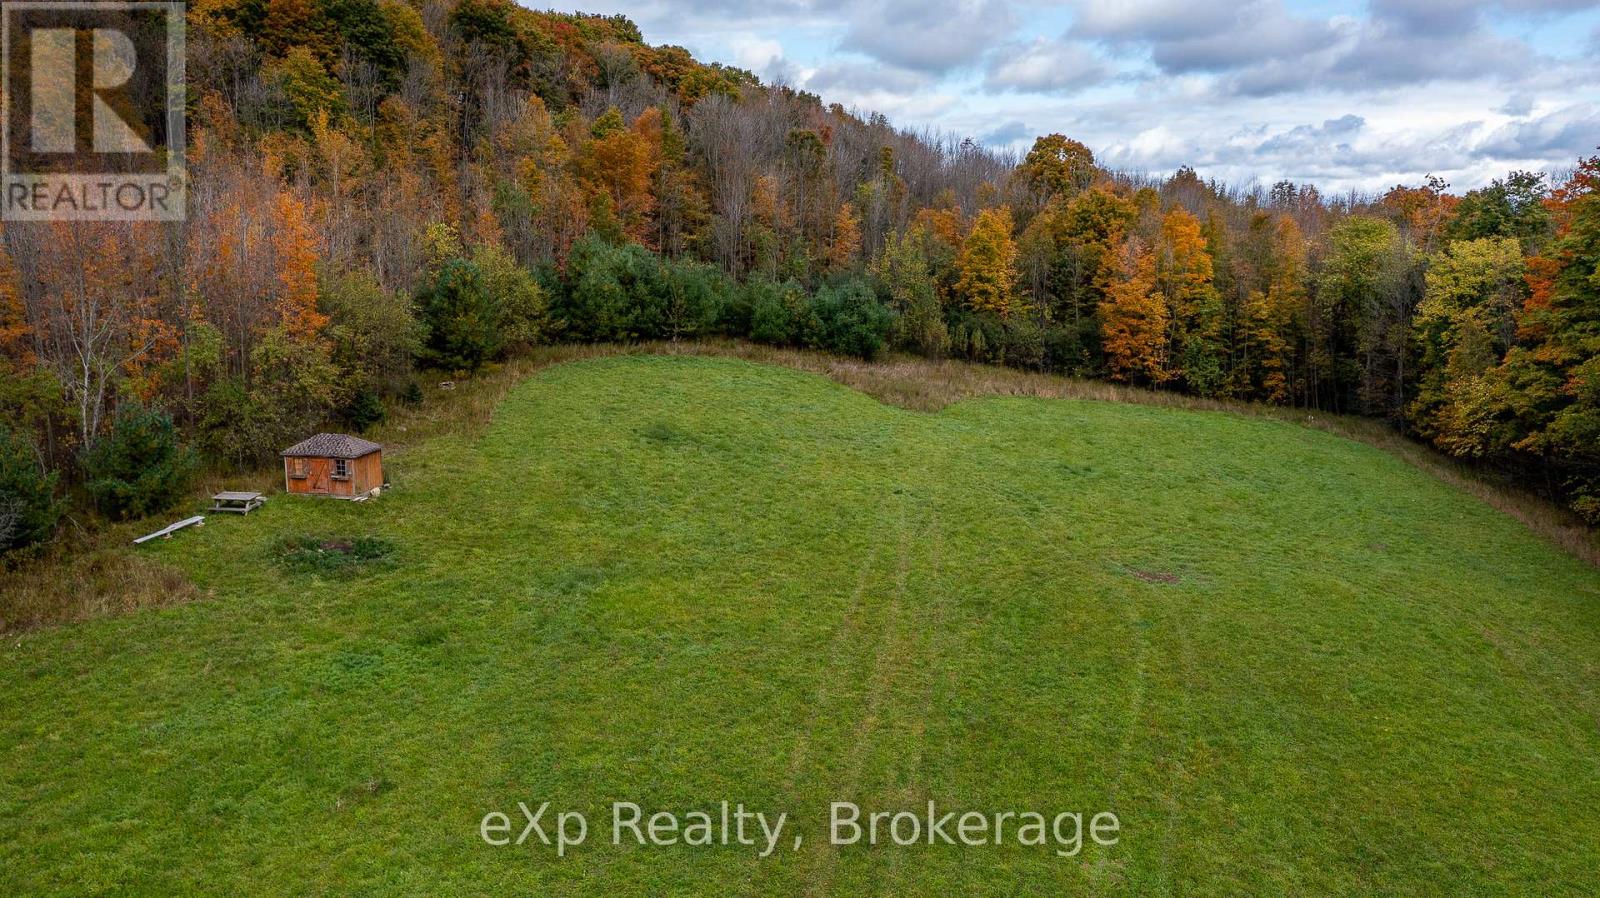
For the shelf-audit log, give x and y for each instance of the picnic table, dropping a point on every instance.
(237, 502)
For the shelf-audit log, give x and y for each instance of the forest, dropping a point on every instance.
(383, 187)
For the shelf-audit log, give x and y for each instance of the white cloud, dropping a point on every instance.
(1054, 66)
(862, 77)
(1154, 148)
(929, 35)
(1570, 131)
(1151, 19)
(1011, 132)
(754, 52)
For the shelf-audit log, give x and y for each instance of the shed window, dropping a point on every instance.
(341, 469)
(297, 467)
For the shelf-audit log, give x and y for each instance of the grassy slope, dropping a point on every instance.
(679, 580)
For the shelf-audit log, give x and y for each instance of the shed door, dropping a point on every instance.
(320, 474)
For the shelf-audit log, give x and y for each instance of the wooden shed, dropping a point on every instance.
(333, 464)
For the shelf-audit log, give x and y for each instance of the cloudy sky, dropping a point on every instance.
(1345, 95)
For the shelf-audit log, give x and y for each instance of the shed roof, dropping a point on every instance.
(332, 445)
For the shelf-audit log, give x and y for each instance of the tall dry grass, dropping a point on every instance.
(83, 579)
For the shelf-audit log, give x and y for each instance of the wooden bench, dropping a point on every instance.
(236, 502)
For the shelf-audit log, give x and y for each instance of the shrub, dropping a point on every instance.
(609, 290)
(364, 409)
(523, 309)
(852, 321)
(626, 292)
(1023, 344)
(737, 311)
(375, 332)
(1073, 349)
(771, 319)
(981, 338)
(781, 314)
(921, 329)
(28, 507)
(691, 301)
(293, 397)
(138, 468)
(227, 425)
(463, 324)
(295, 388)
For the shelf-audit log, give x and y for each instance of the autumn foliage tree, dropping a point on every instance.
(1549, 401)
(618, 166)
(1422, 212)
(295, 247)
(1134, 320)
(97, 310)
(1271, 316)
(902, 270)
(1056, 165)
(986, 268)
(844, 246)
(1184, 276)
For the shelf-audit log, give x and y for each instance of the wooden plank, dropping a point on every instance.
(170, 529)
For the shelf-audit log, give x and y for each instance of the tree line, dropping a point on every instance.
(382, 185)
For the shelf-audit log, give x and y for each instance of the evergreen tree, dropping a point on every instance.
(139, 467)
(462, 321)
(28, 506)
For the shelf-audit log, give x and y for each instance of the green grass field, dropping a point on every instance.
(1290, 664)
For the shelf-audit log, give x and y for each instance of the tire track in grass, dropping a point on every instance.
(1179, 771)
(1179, 777)
(933, 620)
(914, 739)
(846, 634)
(889, 662)
(1102, 874)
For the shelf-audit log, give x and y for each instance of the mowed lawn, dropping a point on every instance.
(1290, 664)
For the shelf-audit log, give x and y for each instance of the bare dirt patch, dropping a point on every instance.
(1155, 576)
